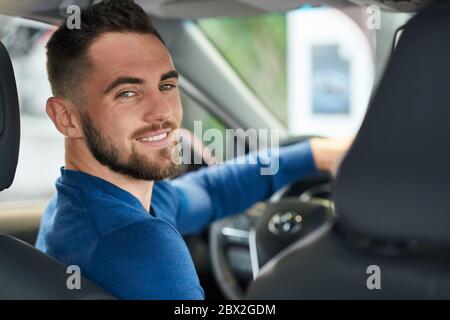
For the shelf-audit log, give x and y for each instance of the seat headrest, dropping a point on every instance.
(9, 121)
(394, 182)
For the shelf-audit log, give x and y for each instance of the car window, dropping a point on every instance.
(255, 47)
(313, 68)
(41, 146)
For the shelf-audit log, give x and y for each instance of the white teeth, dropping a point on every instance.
(156, 138)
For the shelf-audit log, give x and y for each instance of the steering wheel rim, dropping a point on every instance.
(267, 241)
(222, 270)
(262, 243)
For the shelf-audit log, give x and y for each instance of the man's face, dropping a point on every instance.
(132, 105)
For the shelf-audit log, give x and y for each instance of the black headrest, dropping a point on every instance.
(394, 183)
(9, 121)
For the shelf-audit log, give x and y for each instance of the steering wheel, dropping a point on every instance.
(266, 229)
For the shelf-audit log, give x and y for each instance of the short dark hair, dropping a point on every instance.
(67, 49)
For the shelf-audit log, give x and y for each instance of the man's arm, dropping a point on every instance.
(213, 193)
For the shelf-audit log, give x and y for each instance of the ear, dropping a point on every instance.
(64, 116)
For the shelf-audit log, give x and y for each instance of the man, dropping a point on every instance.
(117, 103)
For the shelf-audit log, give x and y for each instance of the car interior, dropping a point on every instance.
(386, 206)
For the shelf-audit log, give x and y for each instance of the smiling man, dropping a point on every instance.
(117, 103)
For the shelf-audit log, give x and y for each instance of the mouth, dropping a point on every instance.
(156, 139)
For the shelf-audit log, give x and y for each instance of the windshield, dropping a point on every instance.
(313, 68)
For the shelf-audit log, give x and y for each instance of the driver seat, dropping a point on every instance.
(391, 238)
(25, 272)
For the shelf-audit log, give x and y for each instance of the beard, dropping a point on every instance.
(137, 166)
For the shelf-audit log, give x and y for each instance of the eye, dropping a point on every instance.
(126, 94)
(166, 86)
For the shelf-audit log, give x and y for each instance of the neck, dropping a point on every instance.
(81, 159)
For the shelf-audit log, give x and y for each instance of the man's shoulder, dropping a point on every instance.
(147, 231)
(146, 260)
(89, 206)
(110, 214)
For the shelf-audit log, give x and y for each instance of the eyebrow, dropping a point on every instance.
(133, 80)
(122, 80)
(169, 75)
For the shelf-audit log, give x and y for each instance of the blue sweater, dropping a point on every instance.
(137, 254)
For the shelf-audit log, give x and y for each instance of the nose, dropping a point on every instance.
(157, 108)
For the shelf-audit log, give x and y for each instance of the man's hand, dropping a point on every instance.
(328, 153)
